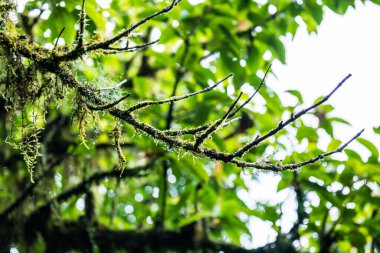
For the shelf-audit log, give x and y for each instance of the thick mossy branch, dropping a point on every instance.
(106, 45)
(64, 238)
(106, 106)
(89, 99)
(126, 116)
(117, 131)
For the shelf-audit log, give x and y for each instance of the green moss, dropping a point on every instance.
(24, 84)
(117, 131)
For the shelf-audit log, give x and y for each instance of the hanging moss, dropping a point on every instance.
(117, 136)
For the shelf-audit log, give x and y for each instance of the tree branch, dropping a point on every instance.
(279, 167)
(115, 50)
(71, 235)
(160, 222)
(82, 21)
(281, 125)
(28, 191)
(97, 177)
(76, 53)
(215, 125)
(172, 139)
(173, 99)
(107, 106)
(126, 116)
(198, 129)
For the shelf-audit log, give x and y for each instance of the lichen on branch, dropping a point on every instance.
(31, 64)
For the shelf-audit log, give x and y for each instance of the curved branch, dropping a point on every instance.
(82, 21)
(64, 237)
(29, 190)
(78, 52)
(198, 129)
(172, 140)
(173, 99)
(215, 125)
(279, 167)
(281, 125)
(251, 97)
(107, 106)
(116, 50)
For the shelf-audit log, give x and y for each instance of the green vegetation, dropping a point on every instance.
(123, 130)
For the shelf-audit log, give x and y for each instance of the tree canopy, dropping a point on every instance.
(124, 129)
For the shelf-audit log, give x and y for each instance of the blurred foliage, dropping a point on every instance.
(337, 200)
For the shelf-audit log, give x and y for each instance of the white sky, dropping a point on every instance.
(315, 65)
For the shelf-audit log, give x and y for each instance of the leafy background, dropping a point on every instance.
(337, 200)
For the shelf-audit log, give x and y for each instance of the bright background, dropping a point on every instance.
(316, 63)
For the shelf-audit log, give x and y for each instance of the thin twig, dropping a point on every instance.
(177, 143)
(198, 129)
(82, 21)
(160, 222)
(281, 125)
(215, 126)
(134, 27)
(59, 36)
(278, 167)
(251, 97)
(126, 116)
(132, 49)
(174, 99)
(322, 156)
(76, 53)
(178, 77)
(107, 106)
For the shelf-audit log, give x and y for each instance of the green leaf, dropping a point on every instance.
(340, 6)
(234, 228)
(357, 239)
(142, 86)
(310, 22)
(196, 168)
(308, 133)
(93, 11)
(323, 192)
(335, 119)
(208, 197)
(352, 154)
(347, 176)
(286, 181)
(58, 19)
(202, 113)
(315, 10)
(275, 44)
(297, 94)
(193, 218)
(370, 146)
(334, 144)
